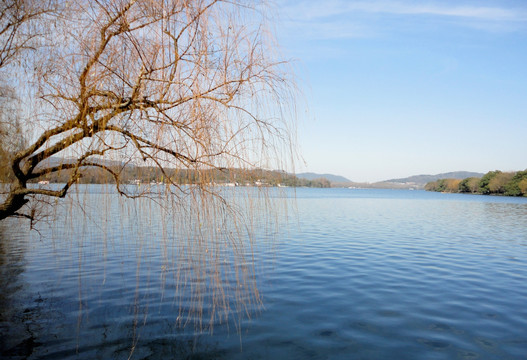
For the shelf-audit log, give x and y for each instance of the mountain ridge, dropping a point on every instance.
(330, 177)
(425, 178)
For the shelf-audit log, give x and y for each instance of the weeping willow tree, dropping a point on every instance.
(171, 84)
(184, 86)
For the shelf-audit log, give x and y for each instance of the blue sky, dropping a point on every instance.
(399, 88)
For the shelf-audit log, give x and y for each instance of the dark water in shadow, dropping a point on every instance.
(356, 274)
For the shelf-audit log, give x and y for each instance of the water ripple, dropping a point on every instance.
(364, 275)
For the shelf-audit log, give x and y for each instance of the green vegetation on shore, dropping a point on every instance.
(492, 183)
(149, 174)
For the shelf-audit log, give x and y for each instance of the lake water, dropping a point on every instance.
(350, 274)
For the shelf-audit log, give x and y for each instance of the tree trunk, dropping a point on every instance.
(11, 205)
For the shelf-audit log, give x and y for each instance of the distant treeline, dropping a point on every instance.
(146, 174)
(492, 183)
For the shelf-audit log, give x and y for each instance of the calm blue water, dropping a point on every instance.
(349, 274)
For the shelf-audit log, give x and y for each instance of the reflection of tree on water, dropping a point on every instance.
(19, 315)
(145, 282)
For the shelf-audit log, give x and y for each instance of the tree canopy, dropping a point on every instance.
(492, 183)
(182, 85)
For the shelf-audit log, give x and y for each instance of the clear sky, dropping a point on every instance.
(400, 88)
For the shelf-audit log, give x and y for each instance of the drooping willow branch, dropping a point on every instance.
(187, 85)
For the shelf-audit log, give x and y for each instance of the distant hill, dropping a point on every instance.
(330, 177)
(423, 179)
(58, 160)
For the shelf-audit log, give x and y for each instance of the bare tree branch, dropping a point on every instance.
(177, 85)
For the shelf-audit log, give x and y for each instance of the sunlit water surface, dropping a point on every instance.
(352, 274)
